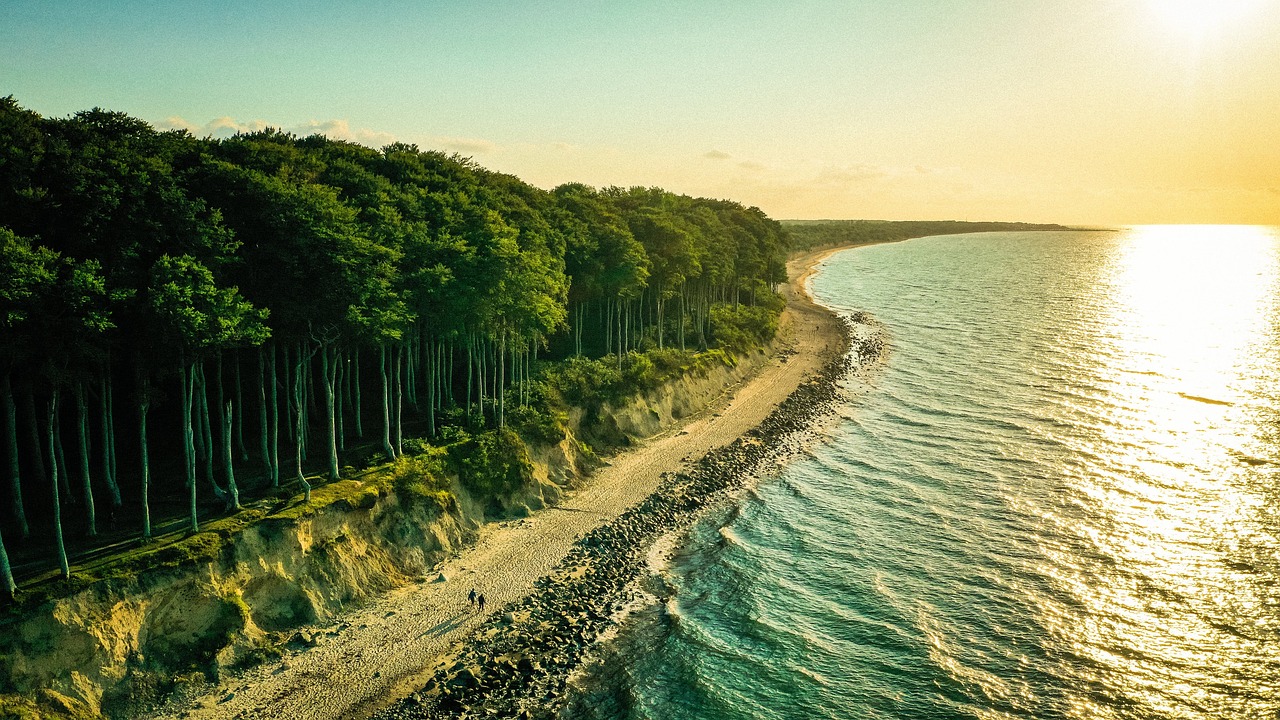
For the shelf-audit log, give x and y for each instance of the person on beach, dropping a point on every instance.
(471, 597)
(480, 602)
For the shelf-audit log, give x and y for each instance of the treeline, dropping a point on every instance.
(214, 307)
(813, 234)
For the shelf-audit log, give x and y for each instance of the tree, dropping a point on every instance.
(27, 276)
(199, 316)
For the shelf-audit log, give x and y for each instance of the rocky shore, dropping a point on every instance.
(518, 663)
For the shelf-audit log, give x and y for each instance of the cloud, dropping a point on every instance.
(226, 126)
(220, 127)
(341, 130)
(751, 165)
(716, 155)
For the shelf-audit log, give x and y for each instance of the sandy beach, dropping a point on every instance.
(388, 649)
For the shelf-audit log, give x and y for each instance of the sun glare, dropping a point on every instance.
(1198, 18)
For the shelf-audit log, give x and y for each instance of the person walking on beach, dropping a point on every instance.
(480, 602)
(471, 597)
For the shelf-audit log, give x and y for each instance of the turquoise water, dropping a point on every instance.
(1056, 498)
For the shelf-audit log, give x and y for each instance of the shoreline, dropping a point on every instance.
(372, 657)
(523, 663)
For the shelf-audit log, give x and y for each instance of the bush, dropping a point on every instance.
(492, 463)
(539, 422)
(742, 328)
(420, 478)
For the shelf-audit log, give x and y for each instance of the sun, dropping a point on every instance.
(1200, 18)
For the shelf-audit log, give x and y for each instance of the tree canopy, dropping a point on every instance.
(342, 281)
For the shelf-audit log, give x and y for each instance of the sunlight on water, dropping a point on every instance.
(1189, 311)
(1059, 498)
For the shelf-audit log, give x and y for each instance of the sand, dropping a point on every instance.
(382, 651)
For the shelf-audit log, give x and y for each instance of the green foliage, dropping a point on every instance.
(419, 478)
(741, 328)
(27, 274)
(590, 383)
(540, 421)
(197, 312)
(128, 255)
(490, 464)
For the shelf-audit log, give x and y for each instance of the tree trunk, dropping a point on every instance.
(304, 386)
(207, 428)
(228, 418)
(82, 435)
(15, 475)
(144, 404)
(298, 401)
(64, 482)
(682, 312)
(662, 308)
(386, 403)
(221, 407)
(57, 504)
(398, 355)
(410, 369)
(239, 417)
(355, 384)
(448, 385)
(187, 375)
(433, 373)
(470, 362)
(289, 423)
(114, 484)
(339, 374)
(330, 380)
(482, 376)
(109, 443)
(6, 573)
(502, 373)
(263, 428)
(275, 423)
(309, 390)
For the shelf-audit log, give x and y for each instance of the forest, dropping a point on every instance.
(813, 234)
(183, 319)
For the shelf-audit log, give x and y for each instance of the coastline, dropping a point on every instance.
(527, 661)
(381, 653)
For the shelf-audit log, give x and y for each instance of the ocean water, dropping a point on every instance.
(1059, 497)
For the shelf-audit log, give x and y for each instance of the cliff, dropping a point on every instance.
(276, 574)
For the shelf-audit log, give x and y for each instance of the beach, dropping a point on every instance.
(390, 649)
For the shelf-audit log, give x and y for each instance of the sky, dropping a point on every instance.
(1096, 112)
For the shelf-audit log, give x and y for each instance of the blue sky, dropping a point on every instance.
(1101, 111)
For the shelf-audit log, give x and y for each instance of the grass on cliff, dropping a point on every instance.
(490, 464)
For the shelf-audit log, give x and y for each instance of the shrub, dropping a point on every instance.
(420, 479)
(491, 463)
(741, 328)
(539, 422)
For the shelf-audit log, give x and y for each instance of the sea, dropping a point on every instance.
(1057, 495)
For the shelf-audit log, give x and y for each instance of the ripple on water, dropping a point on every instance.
(1052, 501)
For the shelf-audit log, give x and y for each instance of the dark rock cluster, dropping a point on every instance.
(517, 665)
